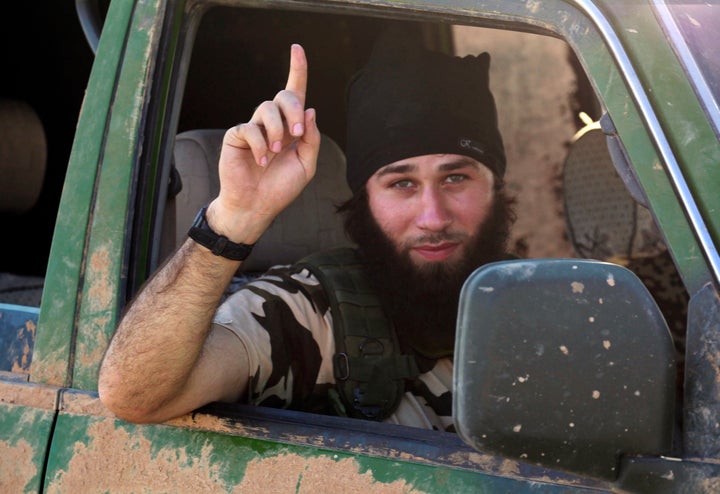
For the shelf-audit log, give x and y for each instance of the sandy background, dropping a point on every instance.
(534, 85)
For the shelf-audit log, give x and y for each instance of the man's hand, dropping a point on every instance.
(166, 357)
(267, 162)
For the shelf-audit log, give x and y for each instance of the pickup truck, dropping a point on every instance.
(588, 363)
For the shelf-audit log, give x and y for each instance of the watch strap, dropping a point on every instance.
(219, 245)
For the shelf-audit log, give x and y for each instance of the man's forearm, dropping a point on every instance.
(164, 358)
(161, 336)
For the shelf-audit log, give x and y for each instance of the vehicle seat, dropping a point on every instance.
(23, 157)
(606, 222)
(309, 224)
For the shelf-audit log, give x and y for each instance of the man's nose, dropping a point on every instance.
(433, 213)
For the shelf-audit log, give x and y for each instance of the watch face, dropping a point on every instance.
(200, 221)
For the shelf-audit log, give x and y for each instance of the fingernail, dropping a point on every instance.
(263, 161)
(297, 129)
(276, 147)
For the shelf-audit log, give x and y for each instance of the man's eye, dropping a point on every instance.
(454, 179)
(402, 184)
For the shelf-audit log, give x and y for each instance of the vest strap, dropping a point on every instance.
(370, 371)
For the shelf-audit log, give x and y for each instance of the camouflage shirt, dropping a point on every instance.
(284, 321)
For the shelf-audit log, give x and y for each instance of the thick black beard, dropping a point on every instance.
(422, 301)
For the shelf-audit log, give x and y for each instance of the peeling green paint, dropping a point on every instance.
(129, 457)
(98, 312)
(24, 436)
(62, 282)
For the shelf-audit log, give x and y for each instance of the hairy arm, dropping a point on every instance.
(165, 358)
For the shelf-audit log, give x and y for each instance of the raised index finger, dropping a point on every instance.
(297, 78)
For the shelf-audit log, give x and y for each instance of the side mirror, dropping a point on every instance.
(563, 363)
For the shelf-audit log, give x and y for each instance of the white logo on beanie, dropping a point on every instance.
(470, 144)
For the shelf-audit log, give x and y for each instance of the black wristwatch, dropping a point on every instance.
(219, 245)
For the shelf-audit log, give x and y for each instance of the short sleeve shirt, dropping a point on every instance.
(284, 321)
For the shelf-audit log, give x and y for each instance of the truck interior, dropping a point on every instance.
(47, 62)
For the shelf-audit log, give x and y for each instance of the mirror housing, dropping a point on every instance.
(563, 363)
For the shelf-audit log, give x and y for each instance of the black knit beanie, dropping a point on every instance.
(408, 101)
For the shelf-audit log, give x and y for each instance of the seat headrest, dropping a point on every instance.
(604, 221)
(23, 156)
(309, 224)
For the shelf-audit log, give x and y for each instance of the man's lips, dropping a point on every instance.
(436, 252)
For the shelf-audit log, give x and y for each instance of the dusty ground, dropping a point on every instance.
(533, 84)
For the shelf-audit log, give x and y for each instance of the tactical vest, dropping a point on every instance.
(370, 371)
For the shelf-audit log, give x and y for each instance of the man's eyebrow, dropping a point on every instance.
(458, 164)
(399, 168)
(412, 167)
